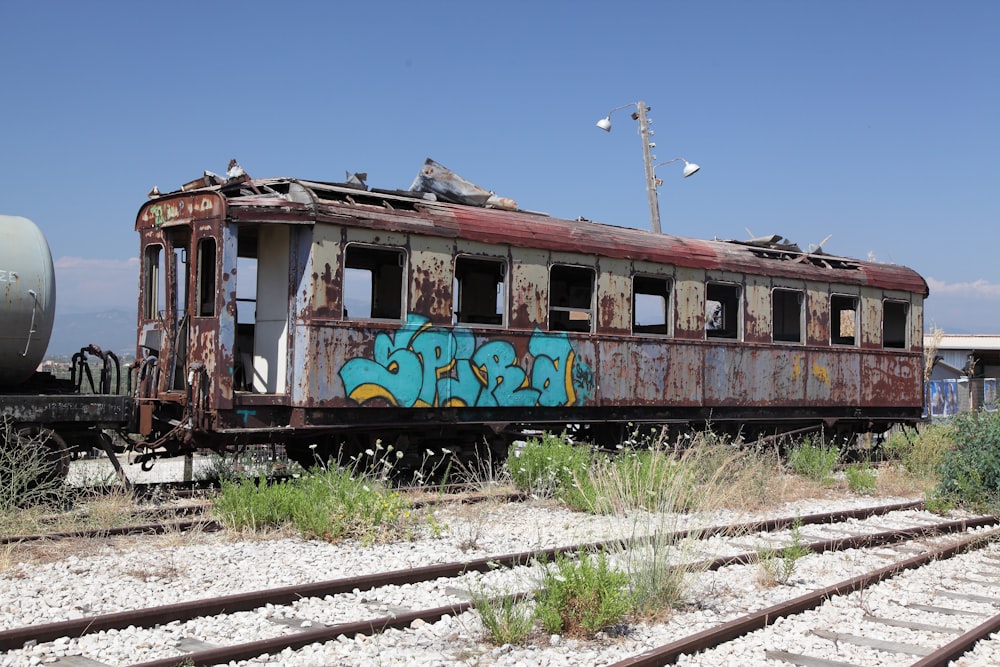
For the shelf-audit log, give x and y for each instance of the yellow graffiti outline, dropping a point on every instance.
(369, 390)
(570, 389)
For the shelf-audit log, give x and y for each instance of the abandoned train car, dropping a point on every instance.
(322, 315)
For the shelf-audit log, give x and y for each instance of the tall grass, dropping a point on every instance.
(329, 505)
(655, 484)
(921, 450)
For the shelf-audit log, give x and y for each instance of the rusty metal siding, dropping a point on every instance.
(750, 375)
(833, 377)
(621, 372)
(757, 309)
(916, 323)
(529, 286)
(432, 272)
(871, 319)
(817, 314)
(324, 290)
(614, 297)
(648, 372)
(689, 318)
(891, 379)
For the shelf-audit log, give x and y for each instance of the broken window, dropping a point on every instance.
(650, 305)
(479, 289)
(722, 310)
(154, 287)
(894, 324)
(373, 283)
(571, 292)
(843, 319)
(206, 278)
(786, 315)
(180, 280)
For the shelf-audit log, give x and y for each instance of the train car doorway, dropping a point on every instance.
(262, 309)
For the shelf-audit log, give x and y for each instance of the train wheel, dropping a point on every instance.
(35, 462)
(51, 455)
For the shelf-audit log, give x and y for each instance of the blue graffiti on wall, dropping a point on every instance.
(422, 365)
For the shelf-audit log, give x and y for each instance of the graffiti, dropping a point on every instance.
(821, 373)
(423, 366)
(178, 210)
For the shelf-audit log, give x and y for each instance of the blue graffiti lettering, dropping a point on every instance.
(422, 365)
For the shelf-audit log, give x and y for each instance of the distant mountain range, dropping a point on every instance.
(110, 330)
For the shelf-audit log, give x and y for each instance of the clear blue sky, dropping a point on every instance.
(876, 122)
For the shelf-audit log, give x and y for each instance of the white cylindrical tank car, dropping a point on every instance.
(27, 298)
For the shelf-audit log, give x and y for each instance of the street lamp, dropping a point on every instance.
(647, 158)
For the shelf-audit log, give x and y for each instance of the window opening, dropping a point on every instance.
(246, 290)
(155, 287)
(650, 305)
(246, 309)
(843, 319)
(894, 323)
(480, 290)
(177, 295)
(180, 282)
(571, 290)
(786, 315)
(206, 278)
(722, 310)
(373, 283)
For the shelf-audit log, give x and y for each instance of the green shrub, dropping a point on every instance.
(579, 597)
(920, 451)
(861, 479)
(936, 503)
(778, 565)
(553, 466)
(507, 619)
(813, 461)
(328, 505)
(970, 472)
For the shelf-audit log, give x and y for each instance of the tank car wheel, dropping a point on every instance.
(53, 456)
(35, 460)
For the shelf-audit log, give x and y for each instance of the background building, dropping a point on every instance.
(964, 372)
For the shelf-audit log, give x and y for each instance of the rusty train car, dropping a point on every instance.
(323, 316)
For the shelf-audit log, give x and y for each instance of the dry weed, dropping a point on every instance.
(894, 480)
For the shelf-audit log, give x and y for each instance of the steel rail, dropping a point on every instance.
(226, 654)
(182, 611)
(138, 529)
(960, 645)
(668, 653)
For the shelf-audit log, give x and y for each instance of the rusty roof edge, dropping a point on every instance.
(624, 242)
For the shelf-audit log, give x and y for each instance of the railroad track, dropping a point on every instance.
(145, 522)
(294, 624)
(160, 520)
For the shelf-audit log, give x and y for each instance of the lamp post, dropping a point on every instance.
(647, 157)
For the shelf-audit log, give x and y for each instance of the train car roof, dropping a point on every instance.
(296, 201)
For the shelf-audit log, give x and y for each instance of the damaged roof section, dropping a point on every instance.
(434, 182)
(779, 248)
